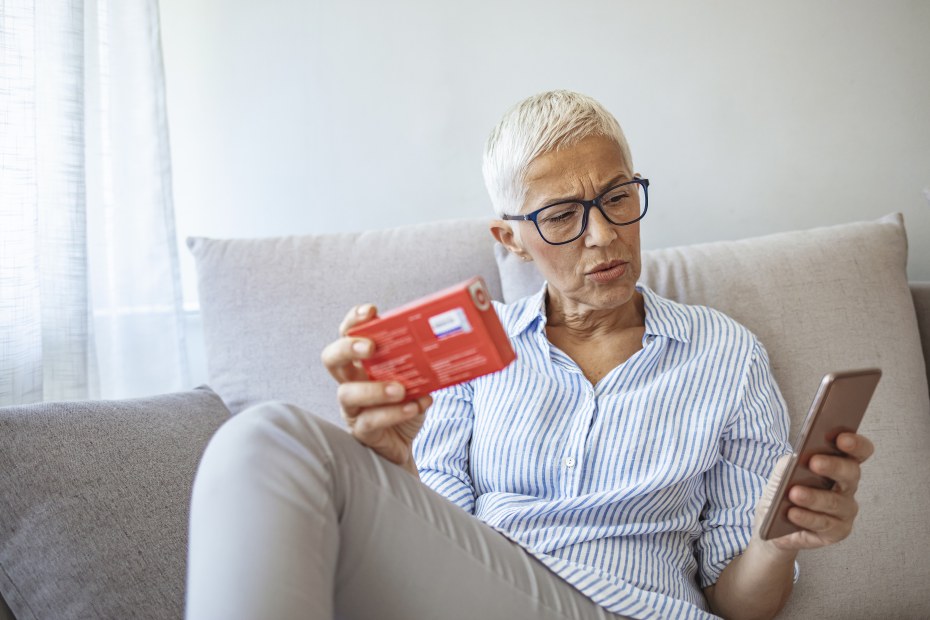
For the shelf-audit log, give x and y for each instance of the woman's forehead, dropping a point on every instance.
(594, 160)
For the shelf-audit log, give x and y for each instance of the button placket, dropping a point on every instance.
(574, 452)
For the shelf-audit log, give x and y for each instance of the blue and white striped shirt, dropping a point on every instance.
(639, 490)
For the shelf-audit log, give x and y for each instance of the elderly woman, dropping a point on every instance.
(614, 469)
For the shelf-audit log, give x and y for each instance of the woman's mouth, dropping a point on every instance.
(605, 272)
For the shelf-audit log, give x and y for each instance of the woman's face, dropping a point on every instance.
(599, 270)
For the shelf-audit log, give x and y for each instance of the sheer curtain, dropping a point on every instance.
(90, 296)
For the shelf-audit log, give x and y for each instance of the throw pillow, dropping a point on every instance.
(271, 305)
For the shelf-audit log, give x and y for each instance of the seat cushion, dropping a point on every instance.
(821, 300)
(271, 305)
(94, 504)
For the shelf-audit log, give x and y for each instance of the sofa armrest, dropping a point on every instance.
(93, 504)
(921, 294)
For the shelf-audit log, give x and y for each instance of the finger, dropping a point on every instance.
(857, 446)
(841, 469)
(827, 502)
(819, 522)
(339, 358)
(370, 423)
(355, 395)
(358, 314)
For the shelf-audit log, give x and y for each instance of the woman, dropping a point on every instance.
(613, 470)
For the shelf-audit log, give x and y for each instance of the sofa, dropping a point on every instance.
(94, 495)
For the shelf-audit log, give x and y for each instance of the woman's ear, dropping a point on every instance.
(508, 237)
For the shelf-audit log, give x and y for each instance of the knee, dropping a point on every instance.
(265, 433)
(278, 418)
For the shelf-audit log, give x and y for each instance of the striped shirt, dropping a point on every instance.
(638, 490)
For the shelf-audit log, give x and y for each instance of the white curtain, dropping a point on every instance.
(90, 296)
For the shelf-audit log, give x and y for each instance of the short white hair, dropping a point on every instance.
(537, 125)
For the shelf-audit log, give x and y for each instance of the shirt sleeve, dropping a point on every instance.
(441, 448)
(755, 436)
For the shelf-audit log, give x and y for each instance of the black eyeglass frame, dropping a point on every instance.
(588, 205)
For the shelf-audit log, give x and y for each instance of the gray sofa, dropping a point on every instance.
(94, 495)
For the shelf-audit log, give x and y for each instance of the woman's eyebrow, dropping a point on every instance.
(622, 177)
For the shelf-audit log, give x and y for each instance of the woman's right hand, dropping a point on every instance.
(374, 411)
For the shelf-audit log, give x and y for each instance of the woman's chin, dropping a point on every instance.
(597, 296)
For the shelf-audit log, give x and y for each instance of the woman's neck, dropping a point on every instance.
(584, 323)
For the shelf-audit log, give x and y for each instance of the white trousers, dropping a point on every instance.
(292, 518)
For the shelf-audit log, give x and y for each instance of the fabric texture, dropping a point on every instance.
(93, 504)
(821, 300)
(271, 305)
(638, 490)
(291, 517)
(85, 205)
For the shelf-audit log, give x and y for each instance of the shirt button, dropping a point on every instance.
(569, 461)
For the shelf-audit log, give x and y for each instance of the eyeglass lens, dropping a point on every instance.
(563, 222)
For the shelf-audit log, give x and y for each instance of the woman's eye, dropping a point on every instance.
(560, 217)
(616, 198)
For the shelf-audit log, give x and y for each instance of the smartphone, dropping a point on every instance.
(838, 407)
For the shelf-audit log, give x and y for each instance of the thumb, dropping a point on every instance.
(768, 494)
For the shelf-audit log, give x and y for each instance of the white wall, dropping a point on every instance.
(749, 117)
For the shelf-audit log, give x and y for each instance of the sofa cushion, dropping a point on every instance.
(94, 504)
(271, 305)
(821, 300)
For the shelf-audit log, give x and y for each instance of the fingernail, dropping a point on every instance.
(394, 390)
(364, 309)
(411, 408)
(361, 347)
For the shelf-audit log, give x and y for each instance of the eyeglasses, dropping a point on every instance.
(563, 222)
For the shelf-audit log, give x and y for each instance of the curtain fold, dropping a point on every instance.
(90, 298)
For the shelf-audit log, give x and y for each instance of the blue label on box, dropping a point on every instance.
(450, 323)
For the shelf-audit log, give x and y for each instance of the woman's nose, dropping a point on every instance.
(599, 231)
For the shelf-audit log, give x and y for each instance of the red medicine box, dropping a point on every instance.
(437, 341)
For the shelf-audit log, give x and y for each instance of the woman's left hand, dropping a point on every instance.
(826, 517)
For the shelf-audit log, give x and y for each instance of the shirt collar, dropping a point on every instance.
(664, 317)
(526, 311)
